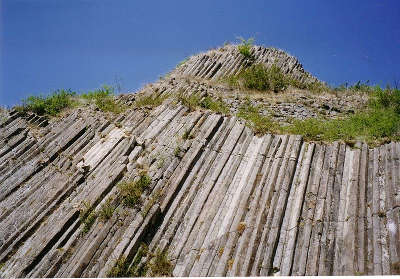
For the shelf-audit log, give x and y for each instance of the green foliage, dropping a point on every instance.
(106, 211)
(120, 268)
(259, 123)
(103, 99)
(245, 47)
(152, 100)
(160, 265)
(217, 105)
(192, 101)
(316, 87)
(87, 217)
(177, 151)
(50, 105)
(371, 126)
(186, 134)
(259, 77)
(152, 200)
(131, 191)
(388, 98)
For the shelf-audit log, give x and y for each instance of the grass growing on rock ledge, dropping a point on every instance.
(52, 104)
(150, 100)
(131, 191)
(261, 78)
(104, 99)
(59, 100)
(378, 123)
(261, 124)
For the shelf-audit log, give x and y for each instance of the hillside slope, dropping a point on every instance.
(221, 200)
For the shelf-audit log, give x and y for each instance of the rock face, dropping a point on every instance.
(222, 201)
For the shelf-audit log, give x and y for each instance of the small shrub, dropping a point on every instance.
(215, 105)
(131, 191)
(371, 126)
(87, 217)
(192, 101)
(186, 134)
(177, 151)
(106, 211)
(259, 77)
(152, 200)
(51, 105)
(388, 98)
(104, 99)
(150, 100)
(120, 268)
(259, 123)
(245, 47)
(160, 265)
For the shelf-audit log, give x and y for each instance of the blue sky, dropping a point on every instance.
(82, 44)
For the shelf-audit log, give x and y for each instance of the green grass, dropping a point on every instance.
(104, 99)
(120, 269)
(259, 77)
(106, 211)
(376, 124)
(131, 191)
(160, 265)
(87, 217)
(245, 47)
(372, 126)
(52, 104)
(150, 100)
(216, 105)
(254, 119)
(191, 101)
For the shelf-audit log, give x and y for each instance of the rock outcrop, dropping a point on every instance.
(222, 201)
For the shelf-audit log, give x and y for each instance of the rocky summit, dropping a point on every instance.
(175, 189)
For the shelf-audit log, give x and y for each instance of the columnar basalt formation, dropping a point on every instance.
(222, 201)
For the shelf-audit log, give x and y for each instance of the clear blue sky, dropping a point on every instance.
(82, 44)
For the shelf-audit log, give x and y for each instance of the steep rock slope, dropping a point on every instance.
(222, 201)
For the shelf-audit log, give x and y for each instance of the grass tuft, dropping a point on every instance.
(104, 99)
(150, 100)
(245, 47)
(50, 105)
(160, 265)
(131, 191)
(259, 123)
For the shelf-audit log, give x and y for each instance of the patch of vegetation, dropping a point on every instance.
(120, 269)
(104, 99)
(186, 134)
(152, 100)
(131, 191)
(191, 101)
(245, 47)
(315, 87)
(106, 211)
(52, 104)
(259, 123)
(87, 217)
(160, 265)
(152, 200)
(217, 105)
(371, 126)
(388, 98)
(259, 77)
(177, 151)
